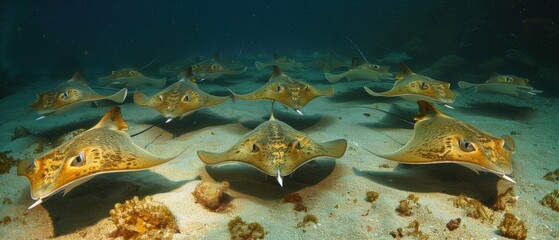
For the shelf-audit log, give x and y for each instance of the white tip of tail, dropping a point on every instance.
(36, 203)
(508, 178)
(280, 179)
(448, 106)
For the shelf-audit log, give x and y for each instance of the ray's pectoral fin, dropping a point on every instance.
(215, 100)
(333, 78)
(509, 143)
(112, 120)
(211, 158)
(335, 148)
(140, 98)
(329, 91)
(119, 96)
(25, 167)
(465, 85)
(373, 93)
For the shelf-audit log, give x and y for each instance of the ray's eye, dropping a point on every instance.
(79, 160)
(159, 98)
(376, 67)
(278, 88)
(423, 86)
(64, 95)
(466, 146)
(298, 145)
(255, 148)
(508, 79)
(186, 98)
(215, 67)
(307, 88)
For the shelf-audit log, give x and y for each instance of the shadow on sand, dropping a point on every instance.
(395, 117)
(193, 122)
(500, 111)
(250, 181)
(450, 179)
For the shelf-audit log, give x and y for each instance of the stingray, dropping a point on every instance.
(286, 90)
(215, 68)
(413, 87)
(179, 99)
(105, 148)
(69, 95)
(362, 71)
(438, 138)
(504, 84)
(276, 149)
(129, 78)
(289, 65)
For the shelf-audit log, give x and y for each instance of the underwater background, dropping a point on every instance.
(356, 195)
(51, 39)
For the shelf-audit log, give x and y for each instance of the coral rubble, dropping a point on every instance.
(415, 232)
(143, 219)
(240, 230)
(212, 195)
(297, 200)
(408, 205)
(552, 176)
(371, 196)
(551, 200)
(453, 224)
(7, 162)
(505, 200)
(511, 227)
(474, 208)
(307, 220)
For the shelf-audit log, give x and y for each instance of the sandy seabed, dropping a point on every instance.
(332, 189)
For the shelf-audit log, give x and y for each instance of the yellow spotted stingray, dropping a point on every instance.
(362, 71)
(276, 149)
(129, 78)
(414, 87)
(179, 99)
(105, 148)
(286, 90)
(438, 138)
(215, 68)
(71, 94)
(289, 65)
(504, 84)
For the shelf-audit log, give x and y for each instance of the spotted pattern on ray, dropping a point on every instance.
(70, 94)
(102, 149)
(504, 84)
(286, 90)
(413, 87)
(438, 138)
(179, 99)
(276, 149)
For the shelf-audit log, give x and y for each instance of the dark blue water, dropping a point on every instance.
(53, 38)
